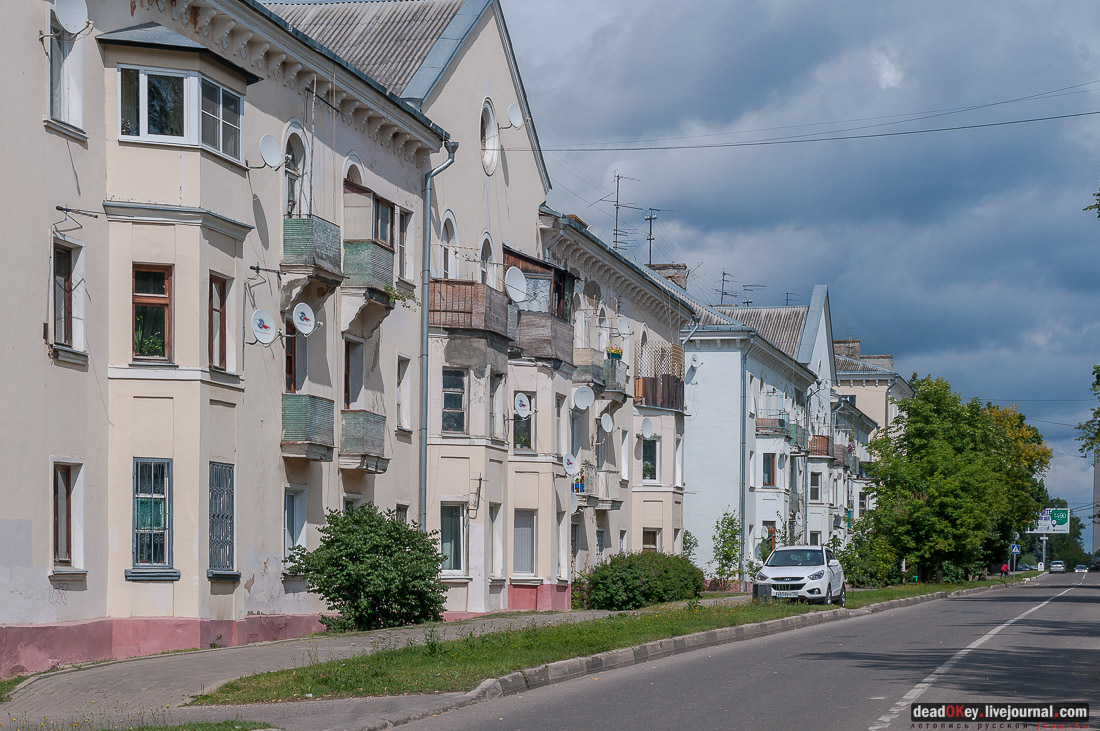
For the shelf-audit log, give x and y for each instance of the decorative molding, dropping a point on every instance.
(158, 213)
(260, 53)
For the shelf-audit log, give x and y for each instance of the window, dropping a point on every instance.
(601, 448)
(624, 546)
(486, 272)
(66, 76)
(221, 517)
(815, 486)
(152, 311)
(294, 519)
(862, 503)
(624, 456)
(296, 357)
(448, 257)
(562, 569)
(221, 120)
(383, 222)
(679, 464)
(560, 400)
(815, 538)
(496, 531)
(351, 502)
(601, 544)
(523, 556)
(294, 157)
(218, 288)
(496, 387)
(768, 538)
(402, 245)
(454, 401)
(62, 296)
(63, 514)
(578, 323)
(603, 331)
(354, 368)
(404, 397)
(451, 537)
(152, 512)
(651, 539)
(651, 460)
(769, 469)
(153, 104)
(523, 430)
(490, 138)
(402, 513)
(576, 432)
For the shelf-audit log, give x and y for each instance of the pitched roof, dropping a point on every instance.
(155, 35)
(844, 364)
(388, 40)
(780, 326)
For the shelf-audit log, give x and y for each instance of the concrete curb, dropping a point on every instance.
(562, 670)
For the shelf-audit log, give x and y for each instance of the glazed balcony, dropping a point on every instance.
(589, 367)
(659, 376)
(363, 441)
(543, 335)
(616, 378)
(311, 246)
(309, 424)
(461, 305)
(368, 264)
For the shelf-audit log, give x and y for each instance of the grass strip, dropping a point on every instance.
(460, 665)
(205, 726)
(857, 599)
(7, 686)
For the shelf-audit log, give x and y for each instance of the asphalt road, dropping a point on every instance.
(1037, 642)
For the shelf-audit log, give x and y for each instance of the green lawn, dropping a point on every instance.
(857, 599)
(7, 686)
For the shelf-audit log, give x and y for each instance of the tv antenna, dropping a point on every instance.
(788, 295)
(615, 241)
(748, 289)
(727, 276)
(651, 216)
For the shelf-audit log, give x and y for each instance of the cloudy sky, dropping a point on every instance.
(965, 253)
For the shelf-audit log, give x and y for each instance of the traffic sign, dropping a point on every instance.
(1015, 548)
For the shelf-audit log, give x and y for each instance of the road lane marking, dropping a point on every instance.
(918, 689)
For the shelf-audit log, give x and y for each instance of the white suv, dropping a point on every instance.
(804, 572)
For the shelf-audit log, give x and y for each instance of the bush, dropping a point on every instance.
(727, 549)
(868, 559)
(374, 569)
(691, 545)
(635, 580)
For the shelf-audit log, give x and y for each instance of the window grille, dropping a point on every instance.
(152, 512)
(221, 517)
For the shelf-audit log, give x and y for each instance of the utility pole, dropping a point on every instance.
(650, 216)
(615, 233)
(723, 293)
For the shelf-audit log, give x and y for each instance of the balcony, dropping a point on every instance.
(659, 376)
(584, 486)
(821, 446)
(308, 427)
(589, 367)
(542, 335)
(663, 392)
(311, 247)
(772, 423)
(363, 441)
(607, 490)
(615, 376)
(463, 305)
(796, 435)
(368, 264)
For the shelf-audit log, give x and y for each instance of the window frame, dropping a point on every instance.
(297, 494)
(403, 393)
(355, 364)
(655, 546)
(516, 545)
(220, 118)
(190, 108)
(815, 538)
(379, 204)
(656, 479)
(815, 488)
(167, 529)
(218, 360)
(529, 421)
(223, 525)
(460, 509)
(767, 469)
(67, 469)
(402, 252)
(66, 99)
(67, 302)
(465, 402)
(153, 300)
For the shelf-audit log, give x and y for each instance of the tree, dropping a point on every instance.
(1090, 430)
(691, 545)
(374, 569)
(727, 548)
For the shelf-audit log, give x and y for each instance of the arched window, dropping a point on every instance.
(294, 175)
(603, 330)
(488, 272)
(490, 138)
(448, 261)
(578, 322)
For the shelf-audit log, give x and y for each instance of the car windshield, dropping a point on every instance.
(795, 557)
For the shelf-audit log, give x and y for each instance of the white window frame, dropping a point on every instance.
(563, 545)
(465, 403)
(401, 511)
(294, 535)
(656, 480)
(534, 515)
(496, 531)
(356, 378)
(489, 137)
(190, 106)
(678, 465)
(222, 91)
(350, 500)
(812, 487)
(624, 455)
(404, 393)
(624, 541)
(70, 69)
(404, 219)
(656, 545)
(461, 508)
(533, 446)
(79, 296)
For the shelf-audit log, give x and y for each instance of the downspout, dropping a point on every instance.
(698, 324)
(744, 447)
(425, 284)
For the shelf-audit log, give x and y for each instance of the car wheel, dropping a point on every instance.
(843, 602)
(829, 596)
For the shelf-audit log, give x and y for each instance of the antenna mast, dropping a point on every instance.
(650, 216)
(723, 292)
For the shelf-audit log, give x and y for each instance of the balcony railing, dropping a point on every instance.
(468, 306)
(607, 490)
(821, 446)
(368, 264)
(615, 375)
(313, 243)
(772, 423)
(363, 441)
(796, 435)
(543, 335)
(589, 366)
(309, 425)
(659, 376)
(665, 392)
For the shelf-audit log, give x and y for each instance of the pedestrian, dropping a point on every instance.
(1004, 571)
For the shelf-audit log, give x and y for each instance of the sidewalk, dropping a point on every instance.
(150, 689)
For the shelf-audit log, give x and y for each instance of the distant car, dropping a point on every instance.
(1025, 567)
(1080, 569)
(811, 573)
(1057, 567)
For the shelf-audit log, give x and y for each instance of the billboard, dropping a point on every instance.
(1053, 520)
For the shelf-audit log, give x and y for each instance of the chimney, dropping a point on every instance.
(675, 273)
(847, 348)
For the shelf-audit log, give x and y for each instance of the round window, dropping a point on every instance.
(490, 138)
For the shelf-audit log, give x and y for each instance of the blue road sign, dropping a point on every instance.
(1015, 547)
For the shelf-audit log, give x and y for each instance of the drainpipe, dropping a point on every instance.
(425, 284)
(744, 446)
(698, 324)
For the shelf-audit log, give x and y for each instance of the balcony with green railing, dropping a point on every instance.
(309, 426)
(368, 264)
(311, 246)
(363, 441)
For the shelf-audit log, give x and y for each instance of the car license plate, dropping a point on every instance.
(785, 594)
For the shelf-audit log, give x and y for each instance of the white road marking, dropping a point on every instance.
(918, 689)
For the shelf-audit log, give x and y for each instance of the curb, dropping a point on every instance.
(562, 670)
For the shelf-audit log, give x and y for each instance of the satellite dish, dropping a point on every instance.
(570, 463)
(72, 15)
(523, 405)
(263, 327)
(607, 423)
(623, 327)
(515, 116)
(689, 376)
(305, 321)
(583, 397)
(515, 284)
(695, 362)
(798, 518)
(574, 503)
(270, 151)
(647, 427)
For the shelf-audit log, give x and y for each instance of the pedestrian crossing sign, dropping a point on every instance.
(1016, 548)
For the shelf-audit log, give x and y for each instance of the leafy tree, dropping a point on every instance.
(727, 548)
(691, 545)
(374, 569)
(1090, 430)
(868, 558)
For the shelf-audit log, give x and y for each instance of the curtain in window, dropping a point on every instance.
(524, 555)
(450, 537)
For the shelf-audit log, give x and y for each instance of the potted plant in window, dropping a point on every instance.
(615, 352)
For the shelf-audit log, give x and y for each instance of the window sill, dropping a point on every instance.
(65, 129)
(456, 579)
(497, 581)
(293, 577)
(67, 573)
(149, 573)
(223, 157)
(233, 576)
(405, 284)
(65, 354)
(153, 363)
(403, 431)
(527, 581)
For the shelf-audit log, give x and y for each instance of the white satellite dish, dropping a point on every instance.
(515, 284)
(695, 362)
(570, 463)
(515, 116)
(574, 503)
(305, 321)
(270, 151)
(607, 423)
(798, 518)
(263, 327)
(583, 397)
(623, 327)
(647, 427)
(523, 405)
(689, 376)
(72, 15)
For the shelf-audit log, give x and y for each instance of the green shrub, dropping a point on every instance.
(635, 580)
(374, 569)
(868, 559)
(727, 549)
(691, 545)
